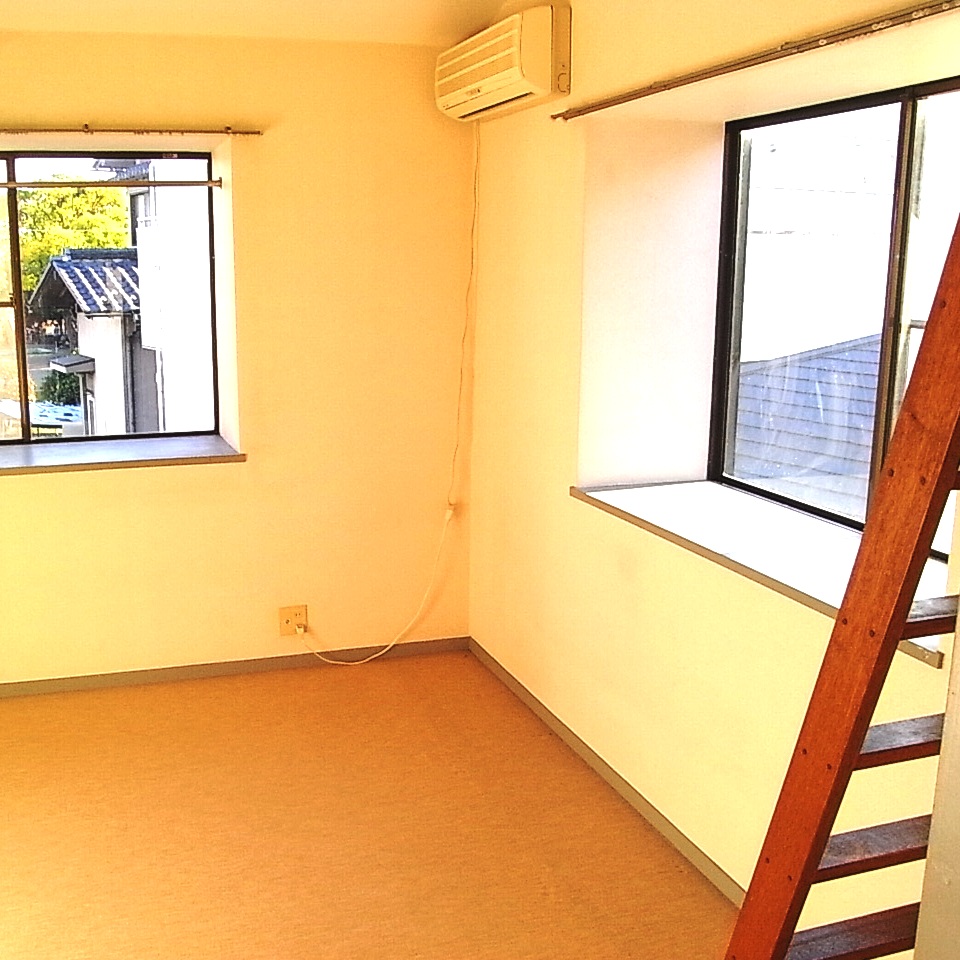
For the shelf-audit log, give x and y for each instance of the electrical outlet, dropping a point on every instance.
(291, 618)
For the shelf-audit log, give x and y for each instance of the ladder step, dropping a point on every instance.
(863, 938)
(928, 618)
(901, 740)
(874, 848)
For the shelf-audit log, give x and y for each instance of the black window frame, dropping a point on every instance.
(8, 160)
(732, 230)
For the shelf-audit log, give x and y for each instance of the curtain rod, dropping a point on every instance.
(86, 184)
(789, 48)
(138, 132)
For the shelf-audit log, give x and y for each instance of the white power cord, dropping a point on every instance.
(451, 502)
(301, 630)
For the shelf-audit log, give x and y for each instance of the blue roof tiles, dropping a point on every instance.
(100, 281)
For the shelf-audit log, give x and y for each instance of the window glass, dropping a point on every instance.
(813, 239)
(815, 331)
(6, 270)
(933, 212)
(116, 281)
(10, 416)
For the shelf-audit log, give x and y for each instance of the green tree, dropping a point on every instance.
(57, 387)
(52, 221)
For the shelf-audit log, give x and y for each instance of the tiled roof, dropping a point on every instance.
(806, 420)
(126, 169)
(100, 281)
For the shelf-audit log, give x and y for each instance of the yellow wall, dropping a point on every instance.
(688, 679)
(351, 227)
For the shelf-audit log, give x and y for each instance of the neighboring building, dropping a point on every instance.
(806, 420)
(95, 294)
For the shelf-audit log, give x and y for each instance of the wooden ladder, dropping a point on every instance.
(877, 612)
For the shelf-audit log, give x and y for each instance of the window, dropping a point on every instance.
(835, 227)
(106, 297)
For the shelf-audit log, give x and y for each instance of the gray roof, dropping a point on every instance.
(100, 281)
(806, 421)
(72, 363)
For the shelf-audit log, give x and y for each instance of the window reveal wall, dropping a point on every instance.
(651, 233)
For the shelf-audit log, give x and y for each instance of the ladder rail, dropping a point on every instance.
(919, 472)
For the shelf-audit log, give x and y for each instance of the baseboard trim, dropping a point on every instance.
(229, 668)
(692, 853)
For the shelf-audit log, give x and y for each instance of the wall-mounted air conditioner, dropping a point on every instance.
(519, 61)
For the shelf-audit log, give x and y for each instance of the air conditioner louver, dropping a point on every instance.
(518, 61)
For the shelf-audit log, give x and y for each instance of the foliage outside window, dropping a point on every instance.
(836, 225)
(106, 306)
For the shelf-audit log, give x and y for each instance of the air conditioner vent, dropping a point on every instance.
(472, 115)
(489, 62)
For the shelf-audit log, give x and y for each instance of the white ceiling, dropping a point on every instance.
(423, 22)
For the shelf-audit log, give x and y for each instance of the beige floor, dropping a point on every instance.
(411, 808)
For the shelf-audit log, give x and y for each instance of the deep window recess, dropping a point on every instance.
(836, 223)
(106, 297)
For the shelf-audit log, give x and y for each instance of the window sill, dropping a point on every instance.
(115, 454)
(747, 533)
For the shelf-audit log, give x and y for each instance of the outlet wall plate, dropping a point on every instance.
(291, 618)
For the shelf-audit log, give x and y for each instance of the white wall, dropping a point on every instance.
(340, 341)
(689, 680)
